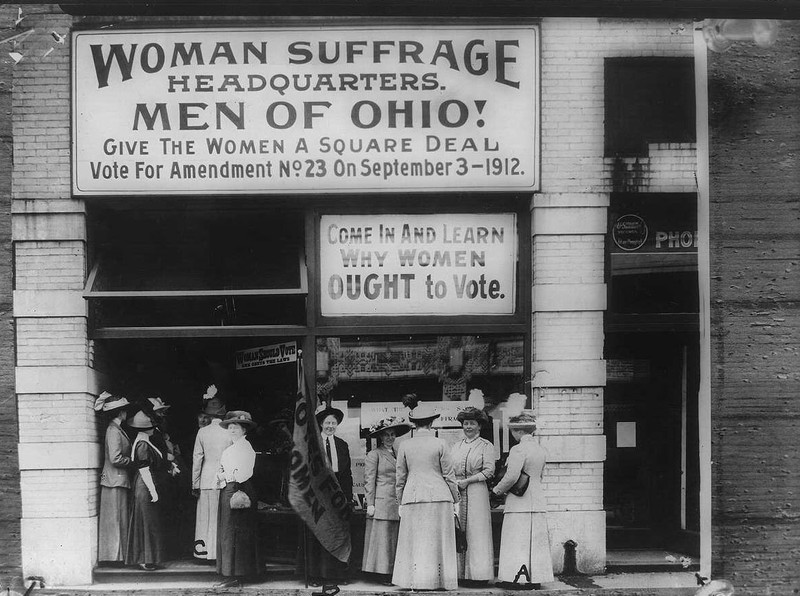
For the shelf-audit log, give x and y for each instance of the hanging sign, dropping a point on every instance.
(281, 110)
(266, 355)
(431, 264)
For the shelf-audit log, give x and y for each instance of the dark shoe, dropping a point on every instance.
(148, 566)
(228, 583)
(327, 590)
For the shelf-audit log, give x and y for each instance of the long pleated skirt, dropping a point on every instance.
(477, 564)
(205, 527)
(426, 547)
(525, 541)
(113, 523)
(146, 534)
(237, 534)
(380, 545)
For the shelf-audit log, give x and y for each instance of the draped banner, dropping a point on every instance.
(314, 492)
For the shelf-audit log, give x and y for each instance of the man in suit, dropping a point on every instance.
(211, 441)
(324, 568)
(336, 449)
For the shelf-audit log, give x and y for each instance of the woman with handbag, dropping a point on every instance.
(473, 461)
(237, 519)
(426, 490)
(383, 520)
(524, 542)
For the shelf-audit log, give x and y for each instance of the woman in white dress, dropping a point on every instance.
(383, 520)
(426, 490)
(524, 542)
(237, 531)
(473, 463)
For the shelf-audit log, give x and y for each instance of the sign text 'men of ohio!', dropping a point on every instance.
(393, 264)
(299, 110)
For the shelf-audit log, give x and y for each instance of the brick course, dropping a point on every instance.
(10, 511)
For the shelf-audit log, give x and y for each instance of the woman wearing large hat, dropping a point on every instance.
(380, 479)
(524, 540)
(147, 534)
(473, 461)
(237, 525)
(426, 491)
(115, 482)
(209, 444)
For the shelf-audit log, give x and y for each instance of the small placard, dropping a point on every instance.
(626, 434)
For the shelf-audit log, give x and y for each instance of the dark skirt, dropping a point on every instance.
(146, 534)
(237, 533)
(322, 565)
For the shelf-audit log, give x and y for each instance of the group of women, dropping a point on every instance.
(136, 477)
(416, 493)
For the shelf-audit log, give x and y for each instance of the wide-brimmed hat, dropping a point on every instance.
(525, 419)
(158, 404)
(329, 411)
(107, 402)
(423, 413)
(141, 421)
(398, 425)
(471, 413)
(239, 417)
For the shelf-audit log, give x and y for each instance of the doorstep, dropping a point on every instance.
(624, 584)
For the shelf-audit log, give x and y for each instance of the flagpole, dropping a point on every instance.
(301, 371)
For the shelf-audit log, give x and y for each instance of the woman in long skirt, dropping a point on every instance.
(237, 531)
(115, 483)
(426, 490)
(524, 543)
(473, 463)
(383, 520)
(146, 536)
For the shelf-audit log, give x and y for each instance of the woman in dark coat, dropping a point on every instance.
(237, 519)
(146, 536)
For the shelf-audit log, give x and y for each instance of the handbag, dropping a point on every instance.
(521, 485)
(240, 500)
(461, 537)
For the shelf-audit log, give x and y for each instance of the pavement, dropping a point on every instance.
(656, 583)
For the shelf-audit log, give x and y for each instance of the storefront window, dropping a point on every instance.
(178, 268)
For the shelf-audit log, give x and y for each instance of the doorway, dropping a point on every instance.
(651, 478)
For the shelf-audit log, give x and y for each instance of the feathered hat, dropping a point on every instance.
(107, 402)
(213, 405)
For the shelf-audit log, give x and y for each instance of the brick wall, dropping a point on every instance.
(754, 100)
(58, 447)
(569, 294)
(10, 512)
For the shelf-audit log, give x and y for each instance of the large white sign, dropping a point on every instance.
(279, 110)
(432, 264)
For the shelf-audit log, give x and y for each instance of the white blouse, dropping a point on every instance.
(238, 461)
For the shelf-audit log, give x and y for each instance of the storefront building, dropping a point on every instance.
(506, 206)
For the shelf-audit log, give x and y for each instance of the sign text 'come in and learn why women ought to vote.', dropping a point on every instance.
(442, 264)
(298, 110)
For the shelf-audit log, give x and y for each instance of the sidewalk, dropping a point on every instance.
(616, 584)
